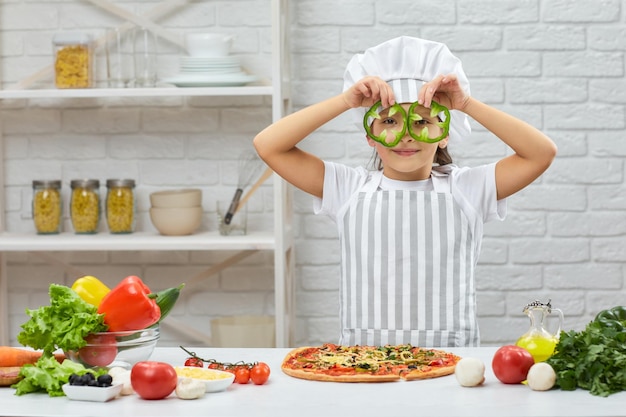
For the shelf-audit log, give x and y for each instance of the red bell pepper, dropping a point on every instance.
(129, 306)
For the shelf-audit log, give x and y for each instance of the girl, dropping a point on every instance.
(410, 232)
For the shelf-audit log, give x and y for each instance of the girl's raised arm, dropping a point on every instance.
(533, 151)
(277, 144)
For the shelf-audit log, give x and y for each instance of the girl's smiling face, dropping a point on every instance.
(410, 160)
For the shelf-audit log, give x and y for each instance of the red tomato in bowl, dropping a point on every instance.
(101, 350)
(153, 380)
(511, 363)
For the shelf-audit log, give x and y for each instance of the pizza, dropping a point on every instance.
(336, 363)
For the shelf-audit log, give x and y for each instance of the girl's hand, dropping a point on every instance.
(445, 90)
(367, 91)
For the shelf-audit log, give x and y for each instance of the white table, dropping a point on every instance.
(286, 396)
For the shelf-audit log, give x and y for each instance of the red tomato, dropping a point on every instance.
(260, 373)
(153, 380)
(511, 364)
(217, 366)
(242, 375)
(101, 350)
(197, 362)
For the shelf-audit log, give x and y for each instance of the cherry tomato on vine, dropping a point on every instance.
(260, 373)
(197, 362)
(215, 365)
(242, 375)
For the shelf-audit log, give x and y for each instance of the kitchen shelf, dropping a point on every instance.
(20, 242)
(260, 90)
(279, 240)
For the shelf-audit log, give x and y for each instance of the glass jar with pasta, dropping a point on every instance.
(73, 60)
(120, 206)
(47, 206)
(85, 206)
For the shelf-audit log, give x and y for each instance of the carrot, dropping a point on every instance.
(12, 356)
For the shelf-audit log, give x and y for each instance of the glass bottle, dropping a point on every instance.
(46, 206)
(120, 206)
(85, 206)
(538, 340)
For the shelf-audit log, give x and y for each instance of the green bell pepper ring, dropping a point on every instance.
(435, 109)
(614, 317)
(382, 138)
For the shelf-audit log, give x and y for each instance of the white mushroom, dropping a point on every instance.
(470, 372)
(190, 389)
(122, 376)
(541, 377)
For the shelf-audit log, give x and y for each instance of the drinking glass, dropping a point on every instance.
(145, 43)
(119, 58)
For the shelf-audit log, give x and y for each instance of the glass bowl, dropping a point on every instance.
(116, 348)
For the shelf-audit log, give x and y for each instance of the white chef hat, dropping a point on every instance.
(406, 63)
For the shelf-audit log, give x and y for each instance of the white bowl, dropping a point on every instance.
(87, 393)
(214, 379)
(176, 221)
(207, 44)
(184, 197)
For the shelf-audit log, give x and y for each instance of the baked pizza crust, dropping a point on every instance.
(431, 373)
(312, 375)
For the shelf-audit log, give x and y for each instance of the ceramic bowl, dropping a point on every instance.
(213, 379)
(116, 348)
(185, 197)
(85, 393)
(207, 45)
(176, 221)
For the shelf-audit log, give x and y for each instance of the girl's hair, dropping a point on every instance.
(442, 157)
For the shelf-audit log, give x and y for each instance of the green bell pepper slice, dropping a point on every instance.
(435, 109)
(374, 112)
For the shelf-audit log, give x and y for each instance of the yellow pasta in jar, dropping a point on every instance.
(73, 64)
(47, 210)
(120, 209)
(85, 206)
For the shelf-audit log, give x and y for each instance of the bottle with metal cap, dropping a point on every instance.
(46, 206)
(120, 205)
(85, 206)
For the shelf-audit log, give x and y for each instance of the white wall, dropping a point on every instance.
(558, 64)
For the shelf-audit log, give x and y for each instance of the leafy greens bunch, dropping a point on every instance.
(593, 359)
(61, 325)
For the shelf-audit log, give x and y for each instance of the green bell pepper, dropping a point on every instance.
(613, 317)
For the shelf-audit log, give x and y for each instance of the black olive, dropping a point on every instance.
(105, 380)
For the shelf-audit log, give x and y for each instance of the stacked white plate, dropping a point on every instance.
(210, 72)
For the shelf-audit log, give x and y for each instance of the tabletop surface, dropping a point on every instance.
(283, 395)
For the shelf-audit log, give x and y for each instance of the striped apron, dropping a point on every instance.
(408, 269)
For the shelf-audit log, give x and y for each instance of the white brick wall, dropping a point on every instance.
(559, 64)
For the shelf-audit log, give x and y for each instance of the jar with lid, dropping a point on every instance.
(46, 206)
(120, 205)
(85, 206)
(73, 60)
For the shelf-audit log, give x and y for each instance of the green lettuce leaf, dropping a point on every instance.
(49, 375)
(61, 325)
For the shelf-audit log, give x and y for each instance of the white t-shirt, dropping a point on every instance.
(474, 189)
